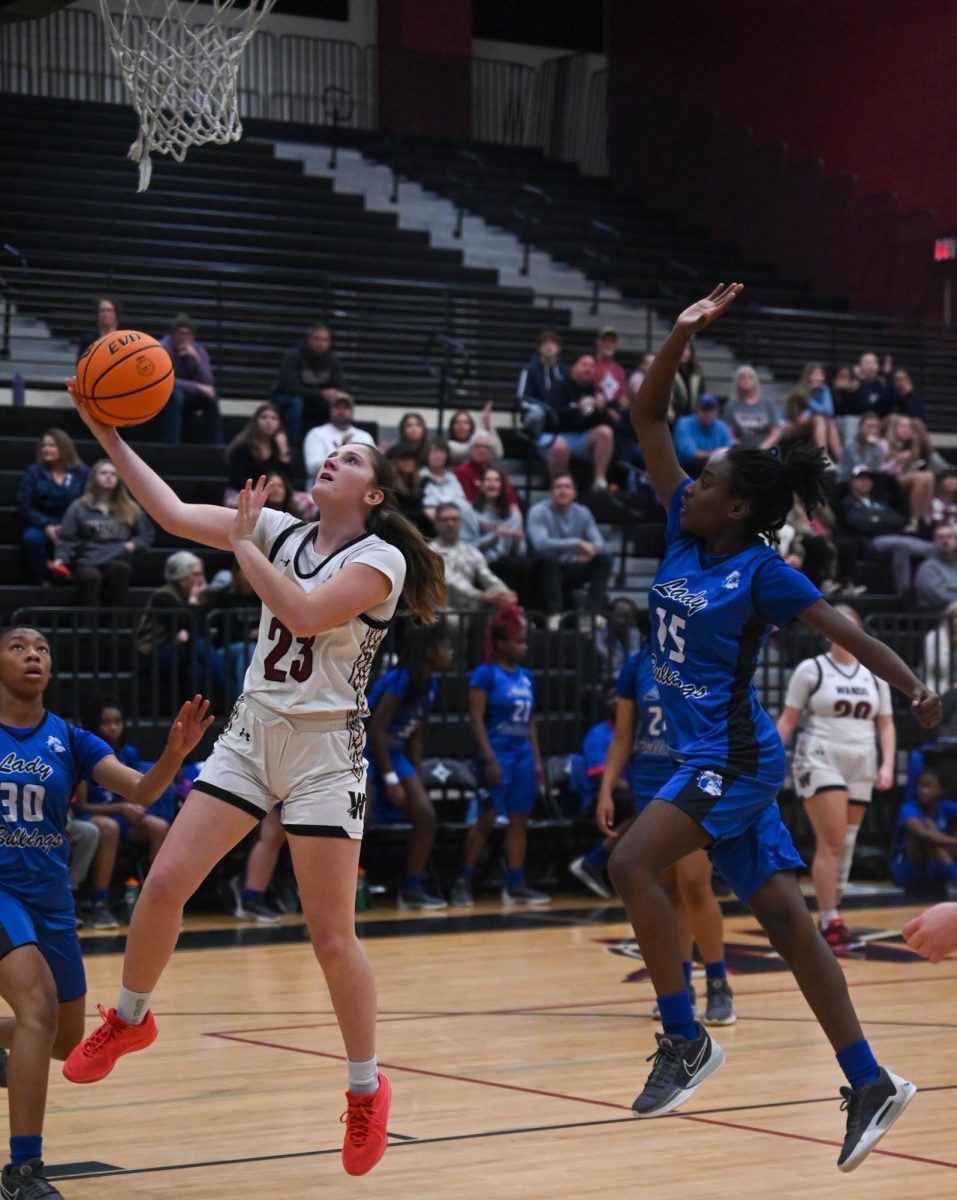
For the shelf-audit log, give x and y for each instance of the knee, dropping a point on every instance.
(332, 948)
(39, 1014)
(625, 867)
(109, 830)
(602, 436)
(164, 888)
(424, 818)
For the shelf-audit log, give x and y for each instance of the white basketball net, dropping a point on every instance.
(182, 78)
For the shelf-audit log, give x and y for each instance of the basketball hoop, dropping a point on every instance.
(182, 78)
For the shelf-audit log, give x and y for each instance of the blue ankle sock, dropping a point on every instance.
(598, 857)
(22, 1149)
(858, 1063)
(412, 883)
(465, 874)
(677, 1019)
(252, 897)
(514, 877)
(716, 970)
(686, 967)
(101, 895)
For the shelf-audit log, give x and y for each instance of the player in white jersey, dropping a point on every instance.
(835, 765)
(294, 737)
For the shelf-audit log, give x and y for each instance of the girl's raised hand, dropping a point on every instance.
(192, 721)
(705, 311)
(97, 428)
(250, 505)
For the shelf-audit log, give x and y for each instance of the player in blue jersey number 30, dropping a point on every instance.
(719, 591)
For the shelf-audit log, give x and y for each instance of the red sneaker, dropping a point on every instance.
(366, 1135)
(839, 937)
(96, 1055)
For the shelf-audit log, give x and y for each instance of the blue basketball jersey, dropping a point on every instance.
(709, 621)
(510, 704)
(636, 682)
(412, 711)
(39, 771)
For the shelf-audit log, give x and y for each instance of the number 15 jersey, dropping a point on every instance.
(709, 620)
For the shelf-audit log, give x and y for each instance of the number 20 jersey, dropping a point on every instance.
(39, 771)
(326, 674)
(709, 620)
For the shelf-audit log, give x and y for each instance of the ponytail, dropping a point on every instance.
(770, 482)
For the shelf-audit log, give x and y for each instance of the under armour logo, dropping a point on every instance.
(285, 561)
(357, 804)
(244, 733)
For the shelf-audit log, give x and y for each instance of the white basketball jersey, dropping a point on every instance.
(326, 674)
(842, 700)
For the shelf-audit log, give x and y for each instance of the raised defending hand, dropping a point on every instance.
(97, 428)
(705, 311)
(250, 505)
(926, 705)
(605, 815)
(934, 933)
(191, 723)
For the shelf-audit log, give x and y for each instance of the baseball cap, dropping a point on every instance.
(707, 400)
(862, 469)
(608, 331)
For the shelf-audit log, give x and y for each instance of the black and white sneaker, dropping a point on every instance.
(720, 1005)
(871, 1111)
(26, 1182)
(418, 898)
(680, 1067)
(591, 876)
(250, 910)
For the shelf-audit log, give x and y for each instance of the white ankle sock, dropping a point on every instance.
(847, 856)
(132, 1007)
(363, 1077)
(828, 915)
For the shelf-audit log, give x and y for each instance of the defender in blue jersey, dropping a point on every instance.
(719, 591)
(401, 700)
(502, 716)
(42, 760)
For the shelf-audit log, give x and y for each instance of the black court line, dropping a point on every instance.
(699, 1114)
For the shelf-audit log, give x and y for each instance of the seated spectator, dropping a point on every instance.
(321, 440)
(610, 375)
(46, 490)
(935, 583)
(441, 483)
(233, 623)
(925, 840)
(470, 582)
(585, 431)
(699, 434)
(501, 538)
(169, 633)
(414, 432)
(471, 473)
(940, 661)
(872, 390)
(462, 430)
(115, 817)
(688, 386)
(194, 387)
(101, 533)
(409, 493)
(902, 396)
(260, 447)
(943, 506)
(881, 527)
(108, 314)
(866, 449)
(544, 376)
(309, 378)
(753, 420)
(561, 528)
(913, 461)
(619, 638)
(810, 412)
(282, 497)
(847, 413)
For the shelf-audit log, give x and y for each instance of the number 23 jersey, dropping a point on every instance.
(709, 620)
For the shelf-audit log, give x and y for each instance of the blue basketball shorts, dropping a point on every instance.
(515, 795)
(54, 935)
(750, 840)
(648, 780)
(384, 813)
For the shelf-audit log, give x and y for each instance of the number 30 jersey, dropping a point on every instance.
(326, 674)
(39, 771)
(510, 704)
(842, 700)
(709, 620)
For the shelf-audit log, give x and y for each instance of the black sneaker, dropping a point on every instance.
(26, 1182)
(591, 876)
(871, 1111)
(720, 1005)
(523, 894)
(418, 898)
(680, 1067)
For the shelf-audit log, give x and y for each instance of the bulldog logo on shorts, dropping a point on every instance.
(710, 782)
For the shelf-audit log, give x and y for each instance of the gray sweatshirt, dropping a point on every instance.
(552, 532)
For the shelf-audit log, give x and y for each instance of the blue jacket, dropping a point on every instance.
(41, 500)
(690, 436)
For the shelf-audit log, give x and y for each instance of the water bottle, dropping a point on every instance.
(362, 891)
(131, 895)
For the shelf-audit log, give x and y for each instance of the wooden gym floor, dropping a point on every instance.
(515, 1044)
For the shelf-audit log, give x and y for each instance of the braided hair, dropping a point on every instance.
(770, 482)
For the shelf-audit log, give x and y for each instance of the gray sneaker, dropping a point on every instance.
(591, 876)
(720, 1007)
(692, 996)
(418, 898)
(461, 896)
(680, 1067)
(26, 1182)
(523, 895)
(102, 918)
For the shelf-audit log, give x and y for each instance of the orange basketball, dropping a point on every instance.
(125, 377)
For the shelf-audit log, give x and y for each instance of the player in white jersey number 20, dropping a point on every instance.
(295, 737)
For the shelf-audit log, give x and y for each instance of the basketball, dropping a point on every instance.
(125, 378)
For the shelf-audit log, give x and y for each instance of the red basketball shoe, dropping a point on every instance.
(96, 1055)
(366, 1135)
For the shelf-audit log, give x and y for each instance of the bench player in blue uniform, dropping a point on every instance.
(639, 747)
(42, 759)
(718, 592)
(400, 702)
